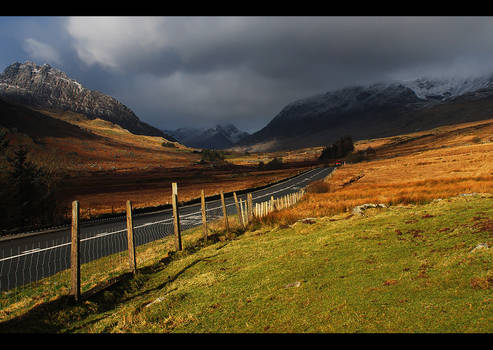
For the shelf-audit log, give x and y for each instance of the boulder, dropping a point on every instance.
(360, 209)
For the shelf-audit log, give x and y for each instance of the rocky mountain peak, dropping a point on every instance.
(47, 87)
(218, 137)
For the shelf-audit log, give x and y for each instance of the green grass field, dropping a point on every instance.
(400, 269)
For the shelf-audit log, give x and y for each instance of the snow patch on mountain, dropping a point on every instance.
(416, 92)
(447, 88)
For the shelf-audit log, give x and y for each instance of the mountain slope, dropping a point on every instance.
(219, 137)
(378, 110)
(68, 142)
(49, 88)
(38, 125)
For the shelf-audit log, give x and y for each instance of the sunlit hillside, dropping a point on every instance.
(412, 168)
(116, 148)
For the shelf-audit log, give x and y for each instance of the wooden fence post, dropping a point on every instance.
(250, 207)
(75, 252)
(244, 212)
(176, 217)
(225, 214)
(204, 216)
(240, 215)
(130, 236)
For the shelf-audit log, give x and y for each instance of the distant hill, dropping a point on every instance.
(48, 88)
(219, 137)
(378, 110)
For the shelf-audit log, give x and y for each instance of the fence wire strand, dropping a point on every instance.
(104, 247)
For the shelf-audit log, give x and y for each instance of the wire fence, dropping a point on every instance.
(42, 268)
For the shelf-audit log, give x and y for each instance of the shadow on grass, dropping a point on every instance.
(56, 316)
(64, 314)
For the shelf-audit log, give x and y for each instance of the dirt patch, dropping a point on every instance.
(481, 282)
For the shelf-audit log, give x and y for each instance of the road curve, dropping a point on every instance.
(33, 257)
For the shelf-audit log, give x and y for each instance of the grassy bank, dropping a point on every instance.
(406, 268)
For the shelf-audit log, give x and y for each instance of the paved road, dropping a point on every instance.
(28, 259)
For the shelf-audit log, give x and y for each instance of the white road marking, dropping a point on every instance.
(37, 250)
(30, 250)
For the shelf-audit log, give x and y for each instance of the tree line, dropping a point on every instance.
(339, 149)
(27, 191)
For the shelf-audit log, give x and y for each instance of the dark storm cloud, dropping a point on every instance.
(199, 71)
(286, 47)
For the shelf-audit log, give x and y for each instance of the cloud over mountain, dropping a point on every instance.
(174, 71)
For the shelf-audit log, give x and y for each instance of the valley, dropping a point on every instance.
(422, 259)
(103, 165)
(246, 174)
(434, 185)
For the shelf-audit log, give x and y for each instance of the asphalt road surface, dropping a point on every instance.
(32, 257)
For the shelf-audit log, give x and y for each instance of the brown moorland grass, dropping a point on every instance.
(412, 168)
(290, 156)
(115, 149)
(113, 165)
(447, 162)
(108, 194)
(111, 149)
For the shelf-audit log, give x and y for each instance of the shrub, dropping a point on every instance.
(361, 155)
(318, 187)
(211, 155)
(275, 163)
(168, 144)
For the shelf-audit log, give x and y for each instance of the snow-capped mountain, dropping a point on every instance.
(219, 137)
(447, 88)
(376, 110)
(46, 87)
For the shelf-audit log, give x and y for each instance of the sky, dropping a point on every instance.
(201, 71)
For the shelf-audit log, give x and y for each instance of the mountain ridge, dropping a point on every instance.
(50, 88)
(375, 110)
